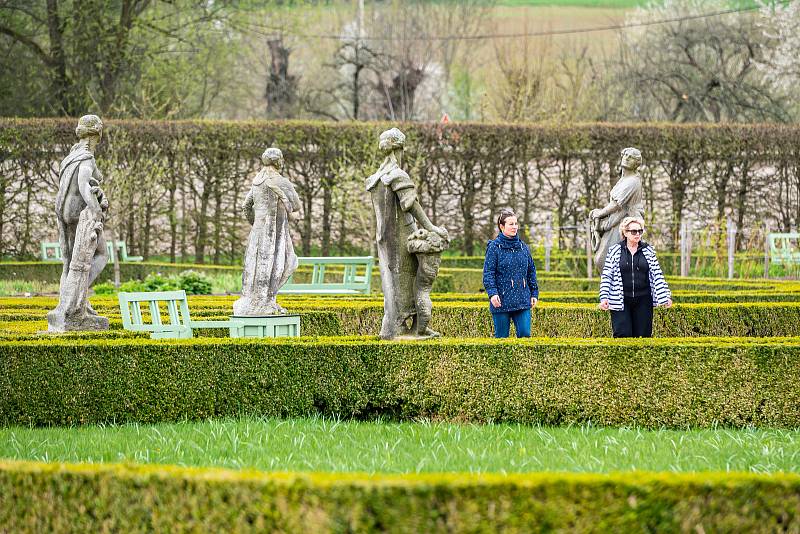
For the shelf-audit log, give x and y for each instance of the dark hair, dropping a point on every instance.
(505, 213)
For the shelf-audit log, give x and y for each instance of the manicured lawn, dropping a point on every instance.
(326, 445)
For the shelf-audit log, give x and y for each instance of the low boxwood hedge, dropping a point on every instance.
(458, 279)
(47, 497)
(472, 319)
(652, 383)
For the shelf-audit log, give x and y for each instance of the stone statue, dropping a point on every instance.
(408, 260)
(627, 200)
(427, 247)
(270, 259)
(81, 208)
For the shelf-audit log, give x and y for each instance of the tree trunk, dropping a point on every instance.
(173, 221)
(60, 84)
(306, 237)
(202, 226)
(741, 203)
(217, 226)
(467, 211)
(327, 201)
(184, 221)
(148, 225)
(281, 87)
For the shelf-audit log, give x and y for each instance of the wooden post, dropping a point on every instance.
(731, 245)
(684, 263)
(766, 249)
(588, 248)
(548, 242)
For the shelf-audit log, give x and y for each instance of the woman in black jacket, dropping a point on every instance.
(632, 282)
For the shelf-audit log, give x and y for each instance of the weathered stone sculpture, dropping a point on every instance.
(627, 200)
(80, 211)
(270, 259)
(427, 247)
(408, 261)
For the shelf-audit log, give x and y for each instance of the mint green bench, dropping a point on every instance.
(352, 282)
(180, 324)
(784, 248)
(52, 252)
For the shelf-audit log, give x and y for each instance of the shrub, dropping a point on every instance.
(651, 383)
(194, 283)
(50, 497)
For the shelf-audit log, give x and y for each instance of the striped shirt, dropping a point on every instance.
(611, 279)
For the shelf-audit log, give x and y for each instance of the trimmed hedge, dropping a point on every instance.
(450, 279)
(27, 324)
(650, 383)
(472, 319)
(48, 497)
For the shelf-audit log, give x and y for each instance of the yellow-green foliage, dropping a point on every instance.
(652, 383)
(458, 279)
(459, 318)
(42, 497)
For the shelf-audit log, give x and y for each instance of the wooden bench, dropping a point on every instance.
(177, 307)
(351, 282)
(52, 252)
(784, 248)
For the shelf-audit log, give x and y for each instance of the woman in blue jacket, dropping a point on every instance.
(509, 277)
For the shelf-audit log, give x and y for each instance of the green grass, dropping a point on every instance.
(318, 444)
(10, 288)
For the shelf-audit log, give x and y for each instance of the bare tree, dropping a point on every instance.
(697, 69)
(524, 74)
(281, 90)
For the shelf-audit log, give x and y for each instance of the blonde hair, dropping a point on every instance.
(627, 221)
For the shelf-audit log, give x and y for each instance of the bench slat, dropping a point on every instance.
(155, 313)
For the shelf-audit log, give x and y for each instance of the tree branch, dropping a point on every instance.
(30, 43)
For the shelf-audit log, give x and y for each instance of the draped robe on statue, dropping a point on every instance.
(393, 194)
(270, 259)
(627, 193)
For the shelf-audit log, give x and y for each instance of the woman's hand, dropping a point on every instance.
(603, 305)
(495, 300)
(534, 301)
(667, 304)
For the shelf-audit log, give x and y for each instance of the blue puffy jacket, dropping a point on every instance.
(509, 271)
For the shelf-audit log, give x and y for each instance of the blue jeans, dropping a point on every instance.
(522, 323)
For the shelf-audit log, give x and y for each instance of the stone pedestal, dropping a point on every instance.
(267, 326)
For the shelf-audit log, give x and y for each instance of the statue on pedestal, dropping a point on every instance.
(269, 260)
(81, 208)
(408, 257)
(627, 200)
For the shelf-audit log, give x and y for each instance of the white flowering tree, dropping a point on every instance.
(702, 66)
(780, 24)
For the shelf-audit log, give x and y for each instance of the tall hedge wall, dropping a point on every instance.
(40, 497)
(651, 383)
(175, 187)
